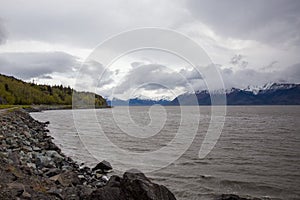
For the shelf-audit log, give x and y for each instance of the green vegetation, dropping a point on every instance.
(17, 92)
(6, 106)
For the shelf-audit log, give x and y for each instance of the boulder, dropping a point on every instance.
(234, 197)
(133, 186)
(103, 166)
(108, 193)
(54, 155)
(140, 187)
(43, 161)
(230, 197)
(66, 179)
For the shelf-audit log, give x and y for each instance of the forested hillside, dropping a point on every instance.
(17, 92)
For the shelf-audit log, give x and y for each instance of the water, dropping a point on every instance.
(258, 153)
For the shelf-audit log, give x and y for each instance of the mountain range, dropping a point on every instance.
(268, 94)
(18, 92)
(137, 102)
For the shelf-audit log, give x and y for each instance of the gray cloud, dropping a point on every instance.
(274, 22)
(270, 65)
(290, 74)
(92, 75)
(245, 77)
(153, 86)
(31, 65)
(155, 77)
(239, 61)
(86, 23)
(236, 59)
(3, 34)
(45, 77)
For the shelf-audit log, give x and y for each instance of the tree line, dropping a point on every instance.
(18, 92)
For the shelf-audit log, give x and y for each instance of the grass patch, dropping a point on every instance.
(4, 106)
(7, 106)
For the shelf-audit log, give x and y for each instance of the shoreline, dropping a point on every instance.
(33, 167)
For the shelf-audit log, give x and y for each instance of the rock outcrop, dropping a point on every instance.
(134, 185)
(234, 197)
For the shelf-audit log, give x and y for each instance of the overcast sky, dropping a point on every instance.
(250, 42)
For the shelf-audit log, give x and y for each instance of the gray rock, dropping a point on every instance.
(103, 166)
(134, 186)
(9, 141)
(26, 142)
(66, 179)
(32, 165)
(57, 192)
(35, 148)
(234, 197)
(99, 184)
(42, 161)
(27, 148)
(108, 193)
(114, 181)
(26, 134)
(26, 195)
(104, 178)
(52, 153)
(52, 172)
(139, 186)
(81, 176)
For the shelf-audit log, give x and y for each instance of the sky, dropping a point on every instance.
(249, 42)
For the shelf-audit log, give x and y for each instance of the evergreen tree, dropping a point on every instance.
(6, 87)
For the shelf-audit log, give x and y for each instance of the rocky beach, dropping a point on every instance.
(33, 167)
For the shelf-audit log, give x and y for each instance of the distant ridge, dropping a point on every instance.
(136, 102)
(17, 92)
(269, 94)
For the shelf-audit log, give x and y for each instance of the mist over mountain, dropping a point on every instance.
(268, 94)
(136, 102)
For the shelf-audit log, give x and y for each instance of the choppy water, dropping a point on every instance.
(258, 153)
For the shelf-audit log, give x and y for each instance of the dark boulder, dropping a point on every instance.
(103, 166)
(133, 186)
(230, 197)
(108, 193)
(234, 197)
(114, 181)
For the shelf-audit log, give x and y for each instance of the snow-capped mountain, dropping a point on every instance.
(268, 94)
(216, 92)
(253, 88)
(269, 87)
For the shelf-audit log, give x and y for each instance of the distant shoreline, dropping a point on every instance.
(38, 108)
